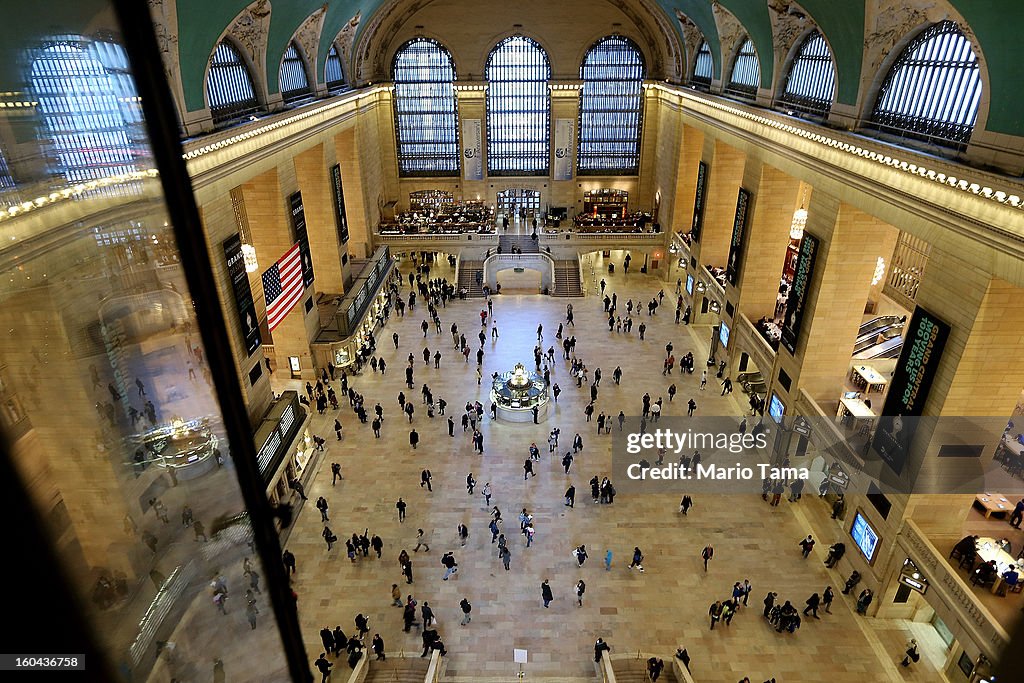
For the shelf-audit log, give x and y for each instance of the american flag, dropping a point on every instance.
(282, 286)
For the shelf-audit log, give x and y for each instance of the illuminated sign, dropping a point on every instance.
(247, 321)
(864, 536)
(739, 223)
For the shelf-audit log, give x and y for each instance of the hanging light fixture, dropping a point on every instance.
(796, 228)
(242, 222)
(249, 256)
(879, 271)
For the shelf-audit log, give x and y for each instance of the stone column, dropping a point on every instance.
(270, 225)
(360, 200)
(845, 263)
(74, 437)
(218, 225)
(726, 173)
(766, 242)
(690, 148)
(313, 175)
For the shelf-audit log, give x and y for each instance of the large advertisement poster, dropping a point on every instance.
(739, 223)
(798, 293)
(248, 323)
(339, 204)
(302, 237)
(472, 149)
(698, 201)
(923, 341)
(564, 138)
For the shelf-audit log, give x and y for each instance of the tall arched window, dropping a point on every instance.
(426, 116)
(229, 88)
(933, 89)
(746, 71)
(611, 104)
(334, 75)
(703, 67)
(294, 82)
(6, 180)
(811, 84)
(518, 108)
(89, 106)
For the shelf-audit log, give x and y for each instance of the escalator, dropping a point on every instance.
(891, 341)
(871, 328)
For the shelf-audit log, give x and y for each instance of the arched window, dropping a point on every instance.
(518, 108)
(933, 89)
(6, 180)
(294, 82)
(703, 67)
(811, 84)
(334, 75)
(89, 107)
(426, 116)
(229, 88)
(611, 103)
(746, 71)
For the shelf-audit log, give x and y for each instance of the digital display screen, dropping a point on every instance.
(689, 285)
(776, 408)
(723, 335)
(864, 536)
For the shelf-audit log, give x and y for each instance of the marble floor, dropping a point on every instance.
(656, 611)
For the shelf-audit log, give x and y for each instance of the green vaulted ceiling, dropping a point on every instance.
(201, 23)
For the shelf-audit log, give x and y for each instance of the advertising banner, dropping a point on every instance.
(698, 201)
(923, 341)
(564, 137)
(339, 204)
(472, 149)
(249, 325)
(302, 237)
(798, 293)
(739, 223)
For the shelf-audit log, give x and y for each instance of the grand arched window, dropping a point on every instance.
(426, 116)
(611, 104)
(811, 84)
(518, 108)
(334, 75)
(703, 67)
(89, 107)
(229, 88)
(294, 82)
(746, 71)
(933, 89)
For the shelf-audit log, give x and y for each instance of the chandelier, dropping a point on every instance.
(879, 271)
(796, 228)
(249, 256)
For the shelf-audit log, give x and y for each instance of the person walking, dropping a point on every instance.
(528, 469)
(826, 599)
(466, 610)
(707, 554)
(545, 593)
(506, 557)
(321, 505)
(401, 506)
(337, 428)
(425, 477)
(691, 406)
(322, 665)
(396, 596)
(864, 601)
(715, 612)
(581, 555)
(335, 473)
(685, 504)
(912, 653)
(414, 438)
(486, 490)
(638, 558)
(812, 605)
(581, 588)
(377, 645)
(806, 546)
(570, 496)
(288, 560)
(608, 560)
(421, 539)
(470, 483)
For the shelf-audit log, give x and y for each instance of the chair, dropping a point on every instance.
(955, 554)
(968, 562)
(1017, 587)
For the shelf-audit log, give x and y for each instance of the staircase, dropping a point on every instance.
(397, 670)
(567, 278)
(468, 272)
(635, 671)
(526, 244)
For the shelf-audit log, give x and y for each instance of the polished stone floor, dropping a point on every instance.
(655, 611)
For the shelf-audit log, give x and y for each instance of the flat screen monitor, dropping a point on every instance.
(776, 408)
(723, 335)
(864, 536)
(689, 284)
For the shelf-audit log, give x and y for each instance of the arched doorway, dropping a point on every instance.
(513, 201)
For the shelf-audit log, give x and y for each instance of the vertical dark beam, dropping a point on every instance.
(163, 129)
